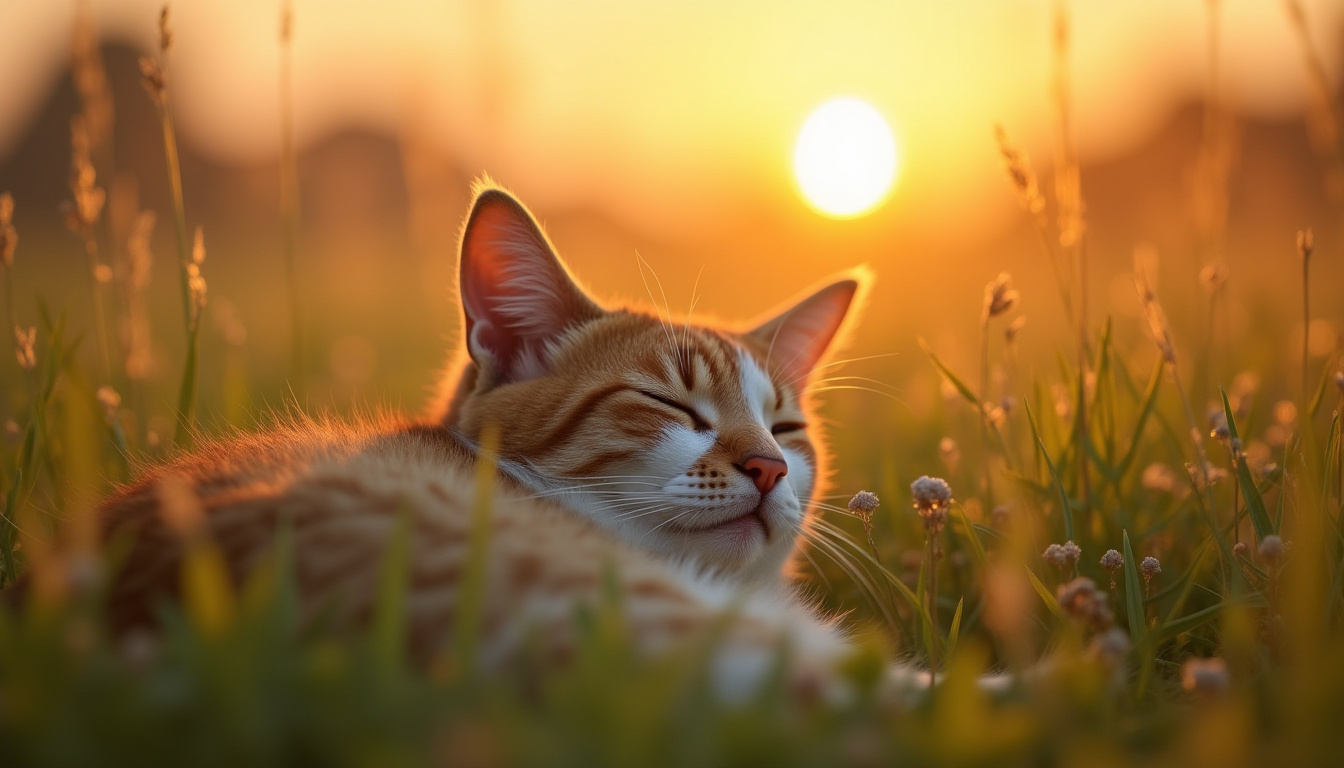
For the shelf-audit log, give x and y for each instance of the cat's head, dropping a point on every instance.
(695, 441)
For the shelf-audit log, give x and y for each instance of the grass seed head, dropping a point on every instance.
(196, 286)
(25, 343)
(151, 76)
(1020, 174)
(165, 31)
(1152, 311)
(999, 296)
(87, 198)
(1306, 243)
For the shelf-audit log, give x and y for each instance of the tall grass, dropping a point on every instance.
(1216, 641)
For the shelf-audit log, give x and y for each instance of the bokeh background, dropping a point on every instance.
(664, 130)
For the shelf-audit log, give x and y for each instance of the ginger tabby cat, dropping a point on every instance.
(681, 458)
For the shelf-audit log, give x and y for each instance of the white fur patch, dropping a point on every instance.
(756, 387)
(680, 447)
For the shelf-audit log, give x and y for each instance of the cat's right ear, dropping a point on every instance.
(517, 296)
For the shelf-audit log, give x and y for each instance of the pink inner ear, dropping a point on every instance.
(799, 336)
(516, 294)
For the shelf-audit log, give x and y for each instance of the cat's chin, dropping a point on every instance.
(738, 544)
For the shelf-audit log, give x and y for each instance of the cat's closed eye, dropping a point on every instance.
(696, 418)
(785, 427)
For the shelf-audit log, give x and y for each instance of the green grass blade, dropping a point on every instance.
(1186, 623)
(186, 396)
(955, 630)
(471, 606)
(1255, 503)
(1319, 396)
(1141, 421)
(966, 392)
(389, 618)
(977, 548)
(1059, 485)
(1047, 596)
(1138, 624)
(1331, 446)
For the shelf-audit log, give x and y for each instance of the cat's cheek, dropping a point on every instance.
(679, 448)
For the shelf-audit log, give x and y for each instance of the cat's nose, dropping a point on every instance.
(764, 472)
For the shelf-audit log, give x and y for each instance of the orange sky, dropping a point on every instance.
(669, 114)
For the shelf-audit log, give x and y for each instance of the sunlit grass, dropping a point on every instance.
(1166, 583)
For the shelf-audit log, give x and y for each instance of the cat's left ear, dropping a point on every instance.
(797, 337)
(517, 296)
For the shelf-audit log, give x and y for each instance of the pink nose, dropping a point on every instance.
(765, 472)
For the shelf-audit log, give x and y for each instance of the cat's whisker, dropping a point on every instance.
(836, 553)
(879, 392)
(695, 299)
(560, 491)
(816, 569)
(835, 363)
(832, 379)
(666, 322)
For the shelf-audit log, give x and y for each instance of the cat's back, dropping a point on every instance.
(341, 490)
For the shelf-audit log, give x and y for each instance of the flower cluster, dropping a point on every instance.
(932, 497)
(1062, 555)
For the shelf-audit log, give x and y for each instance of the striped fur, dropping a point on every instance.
(622, 444)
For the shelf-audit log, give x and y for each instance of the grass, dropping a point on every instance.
(1230, 655)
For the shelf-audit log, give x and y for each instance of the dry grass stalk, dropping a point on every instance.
(155, 78)
(1161, 332)
(196, 281)
(82, 214)
(1023, 178)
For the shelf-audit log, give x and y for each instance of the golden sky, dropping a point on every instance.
(664, 113)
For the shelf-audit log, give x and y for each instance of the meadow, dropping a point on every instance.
(1145, 531)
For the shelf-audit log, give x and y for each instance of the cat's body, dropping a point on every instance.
(676, 457)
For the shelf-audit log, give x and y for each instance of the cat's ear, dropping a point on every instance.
(797, 337)
(517, 296)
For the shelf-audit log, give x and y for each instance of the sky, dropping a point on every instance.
(671, 115)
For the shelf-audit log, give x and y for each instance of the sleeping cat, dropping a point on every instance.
(680, 457)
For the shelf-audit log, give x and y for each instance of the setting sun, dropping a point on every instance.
(845, 159)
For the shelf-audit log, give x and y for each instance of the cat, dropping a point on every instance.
(681, 458)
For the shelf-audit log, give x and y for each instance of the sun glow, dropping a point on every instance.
(845, 159)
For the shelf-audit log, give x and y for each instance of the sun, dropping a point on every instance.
(845, 159)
